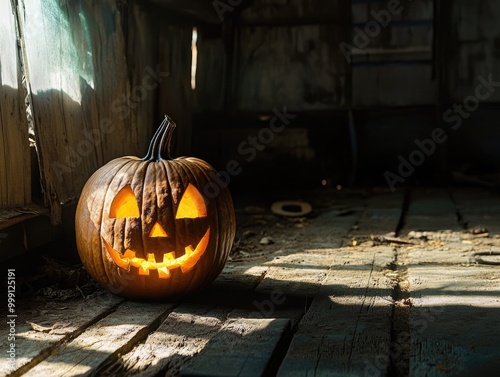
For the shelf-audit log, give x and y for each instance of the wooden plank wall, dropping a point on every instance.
(287, 52)
(102, 75)
(15, 164)
(175, 95)
(159, 40)
(470, 53)
(282, 54)
(395, 68)
(77, 68)
(472, 46)
(211, 72)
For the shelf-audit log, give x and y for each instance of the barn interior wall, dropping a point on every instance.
(428, 57)
(350, 117)
(100, 77)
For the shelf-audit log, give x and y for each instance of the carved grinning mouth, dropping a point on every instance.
(185, 262)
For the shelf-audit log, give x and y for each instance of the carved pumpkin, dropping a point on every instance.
(144, 228)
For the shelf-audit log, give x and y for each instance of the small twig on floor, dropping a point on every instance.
(80, 290)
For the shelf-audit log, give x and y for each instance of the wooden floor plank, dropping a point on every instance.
(298, 274)
(347, 326)
(301, 269)
(347, 329)
(105, 339)
(479, 208)
(245, 274)
(431, 210)
(334, 285)
(183, 334)
(454, 321)
(43, 325)
(242, 348)
(380, 217)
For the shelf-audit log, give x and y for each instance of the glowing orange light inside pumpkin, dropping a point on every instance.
(158, 231)
(124, 204)
(192, 204)
(186, 262)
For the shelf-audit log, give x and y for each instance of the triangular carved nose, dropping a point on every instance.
(158, 231)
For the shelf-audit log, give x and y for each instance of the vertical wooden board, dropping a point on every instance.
(362, 11)
(175, 96)
(454, 321)
(471, 46)
(431, 210)
(404, 43)
(57, 322)
(242, 347)
(183, 334)
(210, 73)
(76, 62)
(301, 66)
(112, 335)
(273, 11)
(15, 163)
(389, 85)
(142, 36)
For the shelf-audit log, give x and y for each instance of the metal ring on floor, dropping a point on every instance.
(279, 208)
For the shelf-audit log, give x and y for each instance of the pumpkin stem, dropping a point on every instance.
(159, 148)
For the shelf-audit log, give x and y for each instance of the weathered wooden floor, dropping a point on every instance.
(373, 285)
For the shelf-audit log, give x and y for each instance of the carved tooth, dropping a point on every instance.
(136, 262)
(151, 258)
(186, 262)
(163, 273)
(167, 257)
(143, 270)
(189, 250)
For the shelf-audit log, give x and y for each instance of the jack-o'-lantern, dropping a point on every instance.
(144, 229)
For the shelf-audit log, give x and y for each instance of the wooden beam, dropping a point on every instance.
(200, 9)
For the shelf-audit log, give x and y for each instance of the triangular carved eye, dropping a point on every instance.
(124, 204)
(192, 204)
